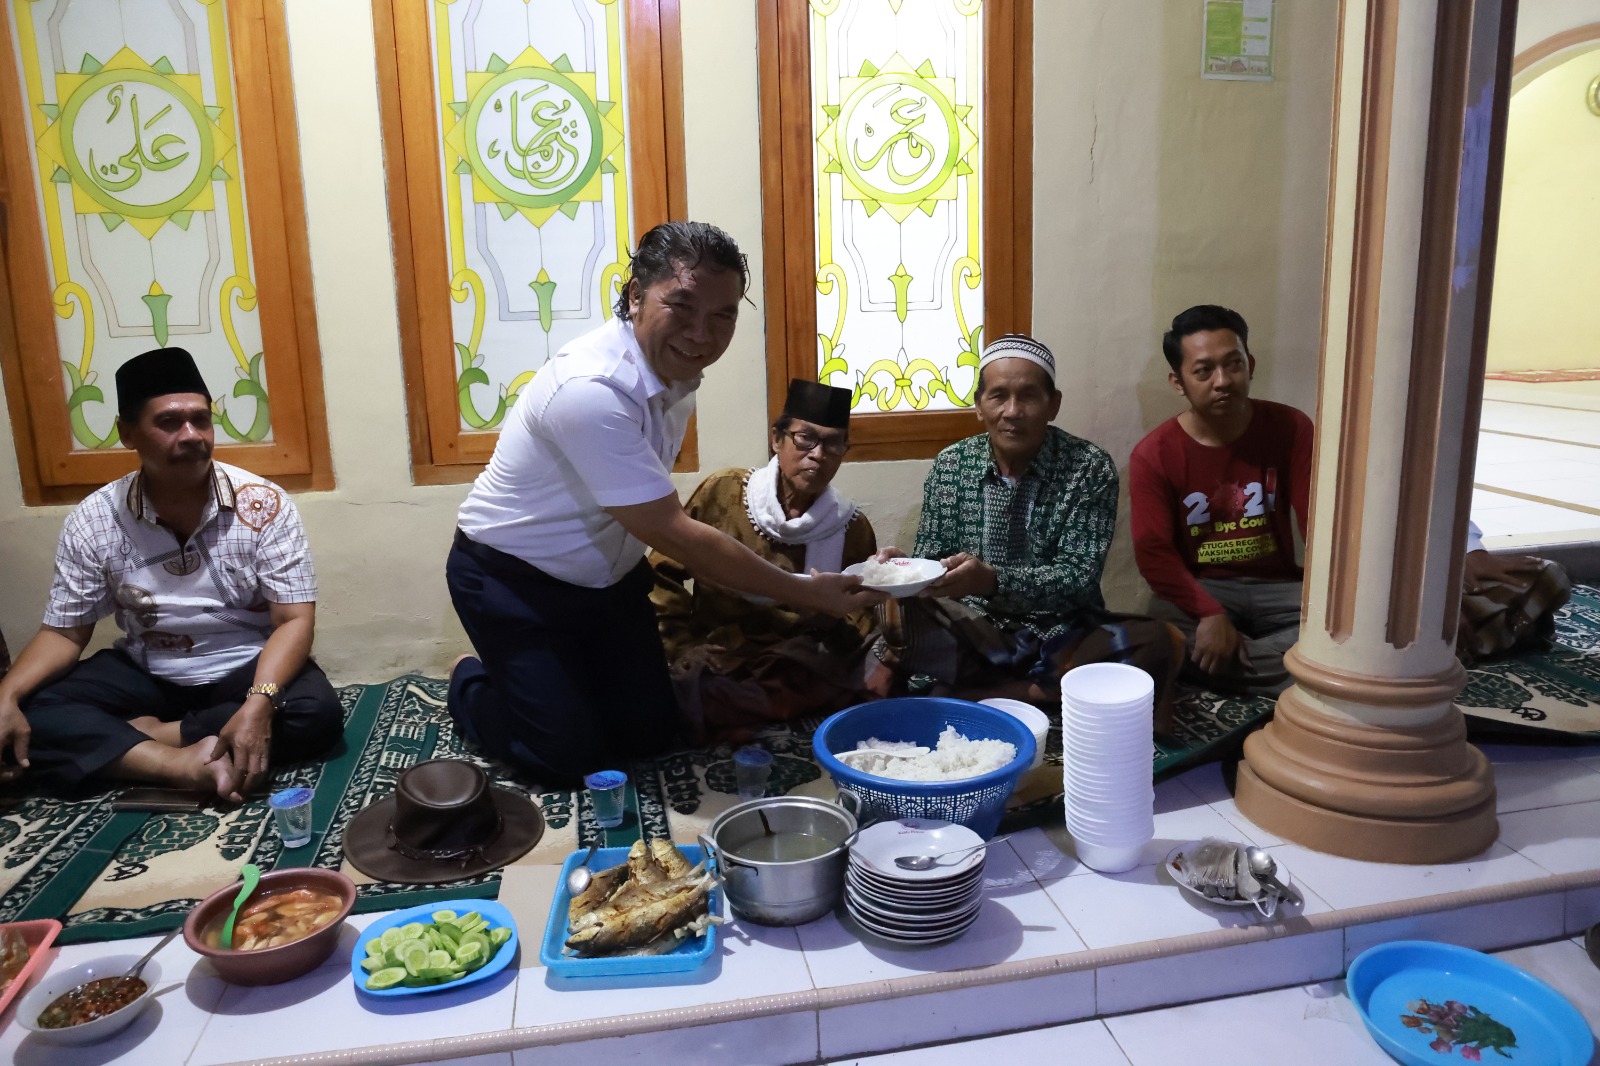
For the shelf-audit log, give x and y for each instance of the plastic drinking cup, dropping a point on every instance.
(607, 796)
(751, 768)
(291, 810)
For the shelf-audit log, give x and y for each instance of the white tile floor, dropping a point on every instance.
(1308, 1025)
(1538, 440)
(825, 993)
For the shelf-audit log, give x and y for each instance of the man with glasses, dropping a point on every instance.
(741, 661)
(1021, 516)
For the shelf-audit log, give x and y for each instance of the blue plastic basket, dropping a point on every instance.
(975, 802)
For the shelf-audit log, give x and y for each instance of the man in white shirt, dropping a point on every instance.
(548, 571)
(207, 570)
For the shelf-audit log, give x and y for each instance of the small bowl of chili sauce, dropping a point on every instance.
(87, 1003)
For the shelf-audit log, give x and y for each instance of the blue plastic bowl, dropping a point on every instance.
(975, 802)
(1389, 984)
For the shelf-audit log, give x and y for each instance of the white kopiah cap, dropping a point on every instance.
(1019, 346)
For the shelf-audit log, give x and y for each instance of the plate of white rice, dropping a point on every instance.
(954, 758)
(899, 577)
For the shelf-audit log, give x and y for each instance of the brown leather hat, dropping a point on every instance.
(443, 823)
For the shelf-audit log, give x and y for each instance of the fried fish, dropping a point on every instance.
(648, 905)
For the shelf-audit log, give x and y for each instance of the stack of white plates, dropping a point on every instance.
(915, 906)
(1106, 711)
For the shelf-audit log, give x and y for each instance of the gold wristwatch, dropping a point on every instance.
(269, 690)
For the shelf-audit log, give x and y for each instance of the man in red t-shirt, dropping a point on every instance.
(1212, 491)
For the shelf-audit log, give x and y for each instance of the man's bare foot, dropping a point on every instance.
(187, 767)
(168, 733)
(459, 659)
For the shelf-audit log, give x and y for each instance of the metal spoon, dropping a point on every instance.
(1265, 869)
(251, 875)
(138, 967)
(579, 878)
(928, 862)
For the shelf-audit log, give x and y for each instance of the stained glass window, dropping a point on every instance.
(534, 166)
(897, 104)
(522, 193)
(897, 214)
(139, 184)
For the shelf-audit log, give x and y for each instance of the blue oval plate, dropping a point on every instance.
(492, 912)
(1426, 1003)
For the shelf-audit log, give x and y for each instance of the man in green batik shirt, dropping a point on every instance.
(1021, 516)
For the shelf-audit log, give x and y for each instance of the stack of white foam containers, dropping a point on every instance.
(1106, 718)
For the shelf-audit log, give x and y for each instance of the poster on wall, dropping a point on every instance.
(1236, 40)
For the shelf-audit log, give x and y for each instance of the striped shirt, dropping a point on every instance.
(192, 611)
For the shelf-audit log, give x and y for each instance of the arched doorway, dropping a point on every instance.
(1538, 472)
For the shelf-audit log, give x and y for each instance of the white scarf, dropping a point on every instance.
(821, 529)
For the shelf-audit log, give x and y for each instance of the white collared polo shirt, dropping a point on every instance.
(596, 429)
(189, 612)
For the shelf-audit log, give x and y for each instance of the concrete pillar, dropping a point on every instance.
(1367, 755)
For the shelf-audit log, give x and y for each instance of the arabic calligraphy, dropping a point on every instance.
(905, 113)
(550, 156)
(147, 152)
(533, 137)
(895, 138)
(135, 142)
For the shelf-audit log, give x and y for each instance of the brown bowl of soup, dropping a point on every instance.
(287, 927)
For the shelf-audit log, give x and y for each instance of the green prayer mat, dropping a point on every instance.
(108, 875)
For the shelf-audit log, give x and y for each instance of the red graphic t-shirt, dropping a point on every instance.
(1220, 512)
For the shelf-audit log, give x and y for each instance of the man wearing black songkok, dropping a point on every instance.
(740, 662)
(207, 571)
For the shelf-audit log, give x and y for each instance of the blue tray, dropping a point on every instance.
(1416, 979)
(690, 955)
(492, 912)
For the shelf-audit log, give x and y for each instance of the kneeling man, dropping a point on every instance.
(207, 570)
(740, 661)
(1211, 527)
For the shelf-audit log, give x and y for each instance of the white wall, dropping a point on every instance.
(1153, 190)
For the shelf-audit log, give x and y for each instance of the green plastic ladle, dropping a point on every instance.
(252, 877)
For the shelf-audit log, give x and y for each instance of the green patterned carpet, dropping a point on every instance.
(109, 875)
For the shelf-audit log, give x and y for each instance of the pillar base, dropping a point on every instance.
(1407, 795)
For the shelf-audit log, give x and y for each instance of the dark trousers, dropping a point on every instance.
(1267, 616)
(569, 679)
(80, 723)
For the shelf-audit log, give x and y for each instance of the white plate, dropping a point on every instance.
(927, 570)
(930, 936)
(898, 904)
(879, 844)
(889, 913)
(966, 875)
(924, 892)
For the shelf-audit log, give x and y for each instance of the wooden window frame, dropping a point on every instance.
(441, 451)
(789, 214)
(298, 456)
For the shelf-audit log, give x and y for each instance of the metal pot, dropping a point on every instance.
(790, 892)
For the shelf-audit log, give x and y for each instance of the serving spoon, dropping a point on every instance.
(579, 878)
(1265, 869)
(928, 862)
(251, 875)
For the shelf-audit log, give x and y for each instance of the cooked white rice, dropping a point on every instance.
(882, 574)
(955, 757)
